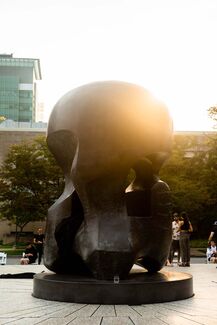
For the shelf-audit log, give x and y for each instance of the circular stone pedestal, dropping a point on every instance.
(140, 288)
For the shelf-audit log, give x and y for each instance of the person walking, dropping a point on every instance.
(39, 243)
(185, 228)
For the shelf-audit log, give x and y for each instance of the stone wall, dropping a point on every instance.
(9, 137)
(7, 231)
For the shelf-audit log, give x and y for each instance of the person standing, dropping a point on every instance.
(175, 247)
(39, 243)
(185, 229)
(213, 233)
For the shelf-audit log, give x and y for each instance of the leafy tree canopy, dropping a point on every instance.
(2, 118)
(191, 174)
(212, 112)
(30, 181)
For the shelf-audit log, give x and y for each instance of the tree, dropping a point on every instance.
(30, 181)
(2, 118)
(191, 173)
(210, 173)
(185, 174)
(212, 112)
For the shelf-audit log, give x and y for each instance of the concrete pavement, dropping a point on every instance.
(18, 307)
(15, 260)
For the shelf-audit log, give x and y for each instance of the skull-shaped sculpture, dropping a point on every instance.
(98, 133)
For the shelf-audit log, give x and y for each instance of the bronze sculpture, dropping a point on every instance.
(98, 133)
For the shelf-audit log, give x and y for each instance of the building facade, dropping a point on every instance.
(18, 87)
(16, 133)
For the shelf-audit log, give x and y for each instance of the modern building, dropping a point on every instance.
(18, 87)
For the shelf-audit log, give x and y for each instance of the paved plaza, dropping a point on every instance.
(19, 307)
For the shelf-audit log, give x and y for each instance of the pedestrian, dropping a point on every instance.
(185, 229)
(39, 243)
(30, 255)
(175, 246)
(213, 233)
(211, 252)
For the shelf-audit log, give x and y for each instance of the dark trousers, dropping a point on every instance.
(175, 247)
(40, 253)
(185, 247)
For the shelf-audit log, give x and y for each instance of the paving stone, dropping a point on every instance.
(105, 310)
(28, 321)
(116, 321)
(124, 310)
(19, 307)
(6, 320)
(177, 320)
(149, 320)
(87, 321)
(67, 311)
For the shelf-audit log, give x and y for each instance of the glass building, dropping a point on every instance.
(18, 88)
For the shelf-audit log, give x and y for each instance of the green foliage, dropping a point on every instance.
(191, 174)
(212, 112)
(198, 243)
(30, 181)
(2, 118)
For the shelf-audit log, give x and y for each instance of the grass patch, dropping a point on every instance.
(10, 250)
(198, 243)
(13, 252)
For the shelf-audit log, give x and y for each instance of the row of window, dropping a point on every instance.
(12, 93)
(26, 93)
(16, 107)
(10, 83)
(16, 63)
(15, 115)
(10, 106)
(6, 100)
(9, 93)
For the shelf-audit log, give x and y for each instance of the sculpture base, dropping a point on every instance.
(140, 288)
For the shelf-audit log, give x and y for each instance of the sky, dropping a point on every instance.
(169, 47)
